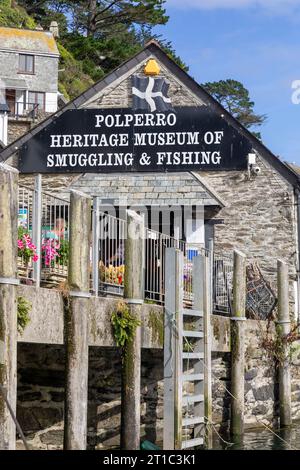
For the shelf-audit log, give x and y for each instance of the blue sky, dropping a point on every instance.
(254, 41)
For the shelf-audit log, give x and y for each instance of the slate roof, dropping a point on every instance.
(150, 50)
(295, 168)
(27, 40)
(4, 107)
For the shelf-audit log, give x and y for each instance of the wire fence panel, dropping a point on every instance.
(222, 283)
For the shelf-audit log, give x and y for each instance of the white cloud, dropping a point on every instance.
(213, 4)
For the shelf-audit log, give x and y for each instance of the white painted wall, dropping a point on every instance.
(3, 127)
(20, 98)
(194, 226)
(51, 103)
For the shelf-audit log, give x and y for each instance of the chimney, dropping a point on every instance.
(54, 29)
(4, 110)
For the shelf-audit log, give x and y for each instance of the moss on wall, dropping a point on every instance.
(156, 325)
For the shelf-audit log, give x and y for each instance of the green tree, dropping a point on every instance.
(100, 16)
(45, 11)
(12, 15)
(235, 98)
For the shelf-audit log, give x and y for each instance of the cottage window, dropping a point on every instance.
(37, 99)
(26, 63)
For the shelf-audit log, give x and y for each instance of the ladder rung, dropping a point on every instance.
(190, 399)
(192, 334)
(192, 443)
(192, 355)
(192, 421)
(192, 313)
(192, 377)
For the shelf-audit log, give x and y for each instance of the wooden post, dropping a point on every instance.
(8, 303)
(207, 345)
(76, 324)
(172, 435)
(283, 328)
(178, 348)
(95, 245)
(237, 344)
(131, 366)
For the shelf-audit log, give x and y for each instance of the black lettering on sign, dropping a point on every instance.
(114, 140)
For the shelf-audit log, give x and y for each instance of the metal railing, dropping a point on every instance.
(25, 227)
(155, 252)
(55, 239)
(24, 110)
(44, 219)
(190, 251)
(111, 261)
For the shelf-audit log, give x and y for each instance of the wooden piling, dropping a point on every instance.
(76, 324)
(173, 327)
(237, 344)
(8, 303)
(131, 365)
(207, 347)
(283, 329)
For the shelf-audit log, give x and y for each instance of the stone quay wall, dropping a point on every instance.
(41, 390)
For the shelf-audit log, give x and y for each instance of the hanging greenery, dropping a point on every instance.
(124, 325)
(280, 348)
(24, 307)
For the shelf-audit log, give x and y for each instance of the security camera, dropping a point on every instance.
(255, 170)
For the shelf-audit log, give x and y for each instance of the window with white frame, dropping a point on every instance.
(36, 99)
(26, 63)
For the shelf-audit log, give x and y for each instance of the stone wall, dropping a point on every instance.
(261, 383)
(41, 391)
(259, 217)
(41, 395)
(17, 128)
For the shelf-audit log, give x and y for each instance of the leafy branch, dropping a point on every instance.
(124, 325)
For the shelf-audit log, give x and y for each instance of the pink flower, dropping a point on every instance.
(35, 258)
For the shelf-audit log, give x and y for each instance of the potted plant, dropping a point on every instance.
(112, 277)
(26, 253)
